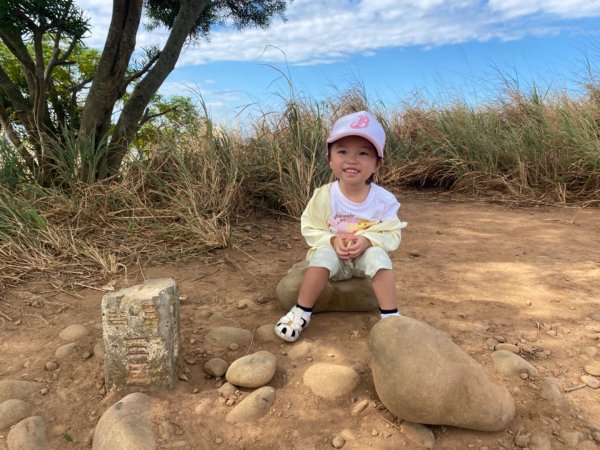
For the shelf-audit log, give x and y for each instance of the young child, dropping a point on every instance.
(350, 224)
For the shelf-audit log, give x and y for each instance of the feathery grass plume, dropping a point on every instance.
(285, 158)
(524, 147)
(196, 179)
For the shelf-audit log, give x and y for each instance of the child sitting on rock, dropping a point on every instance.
(350, 224)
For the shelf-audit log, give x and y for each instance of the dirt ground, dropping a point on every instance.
(471, 269)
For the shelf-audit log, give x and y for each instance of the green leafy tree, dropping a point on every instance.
(173, 116)
(38, 38)
(31, 110)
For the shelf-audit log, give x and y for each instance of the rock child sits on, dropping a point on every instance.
(350, 224)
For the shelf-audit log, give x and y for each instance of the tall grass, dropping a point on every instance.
(521, 148)
(176, 202)
(181, 195)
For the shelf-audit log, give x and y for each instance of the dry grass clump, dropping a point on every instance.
(522, 148)
(181, 196)
(284, 158)
(176, 203)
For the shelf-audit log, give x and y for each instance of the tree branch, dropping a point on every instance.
(111, 70)
(17, 47)
(78, 87)
(14, 137)
(53, 58)
(129, 120)
(142, 71)
(147, 117)
(7, 127)
(13, 93)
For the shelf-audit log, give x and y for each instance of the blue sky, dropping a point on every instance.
(399, 50)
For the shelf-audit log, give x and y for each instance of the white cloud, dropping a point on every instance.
(326, 31)
(561, 8)
(321, 31)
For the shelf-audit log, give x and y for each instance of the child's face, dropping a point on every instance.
(353, 160)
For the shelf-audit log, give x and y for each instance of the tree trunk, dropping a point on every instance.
(129, 120)
(108, 83)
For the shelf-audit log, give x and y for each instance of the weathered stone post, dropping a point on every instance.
(141, 334)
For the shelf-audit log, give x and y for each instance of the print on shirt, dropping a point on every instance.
(343, 224)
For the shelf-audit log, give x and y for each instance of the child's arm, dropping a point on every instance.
(385, 234)
(313, 223)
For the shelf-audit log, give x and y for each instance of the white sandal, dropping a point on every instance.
(291, 325)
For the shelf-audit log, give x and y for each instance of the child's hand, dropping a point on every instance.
(357, 246)
(340, 246)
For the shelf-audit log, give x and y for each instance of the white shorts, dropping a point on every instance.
(366, 265)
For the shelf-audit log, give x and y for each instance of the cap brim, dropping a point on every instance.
(337, 137)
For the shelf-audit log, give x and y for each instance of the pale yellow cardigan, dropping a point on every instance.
(314, 227)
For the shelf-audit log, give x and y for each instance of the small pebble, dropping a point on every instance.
(522, 441)
(234, 346)
(87, 355)
(338, 442)
(218, 441)
(592, 369)
(415, 253)
(590, 381)
(262, 299)
(360, 407)
(51, 366)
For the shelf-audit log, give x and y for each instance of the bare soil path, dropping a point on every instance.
(471, 269)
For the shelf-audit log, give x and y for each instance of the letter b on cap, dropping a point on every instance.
(362, 122)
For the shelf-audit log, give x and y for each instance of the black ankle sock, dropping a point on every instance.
(304, 308)
(388, 311)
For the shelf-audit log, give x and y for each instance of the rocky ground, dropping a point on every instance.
(483, 274)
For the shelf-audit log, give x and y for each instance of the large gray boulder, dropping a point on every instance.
(254, 406)
(126, 424)
(12, 411)
(252, 371)
(355, 294)
(331, 381)
(28, 434)
(421, 376)
(22, 390)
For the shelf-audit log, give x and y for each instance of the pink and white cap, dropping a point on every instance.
(363, 124)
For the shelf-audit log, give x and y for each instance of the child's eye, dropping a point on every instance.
(364, 152)
(342, 151)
